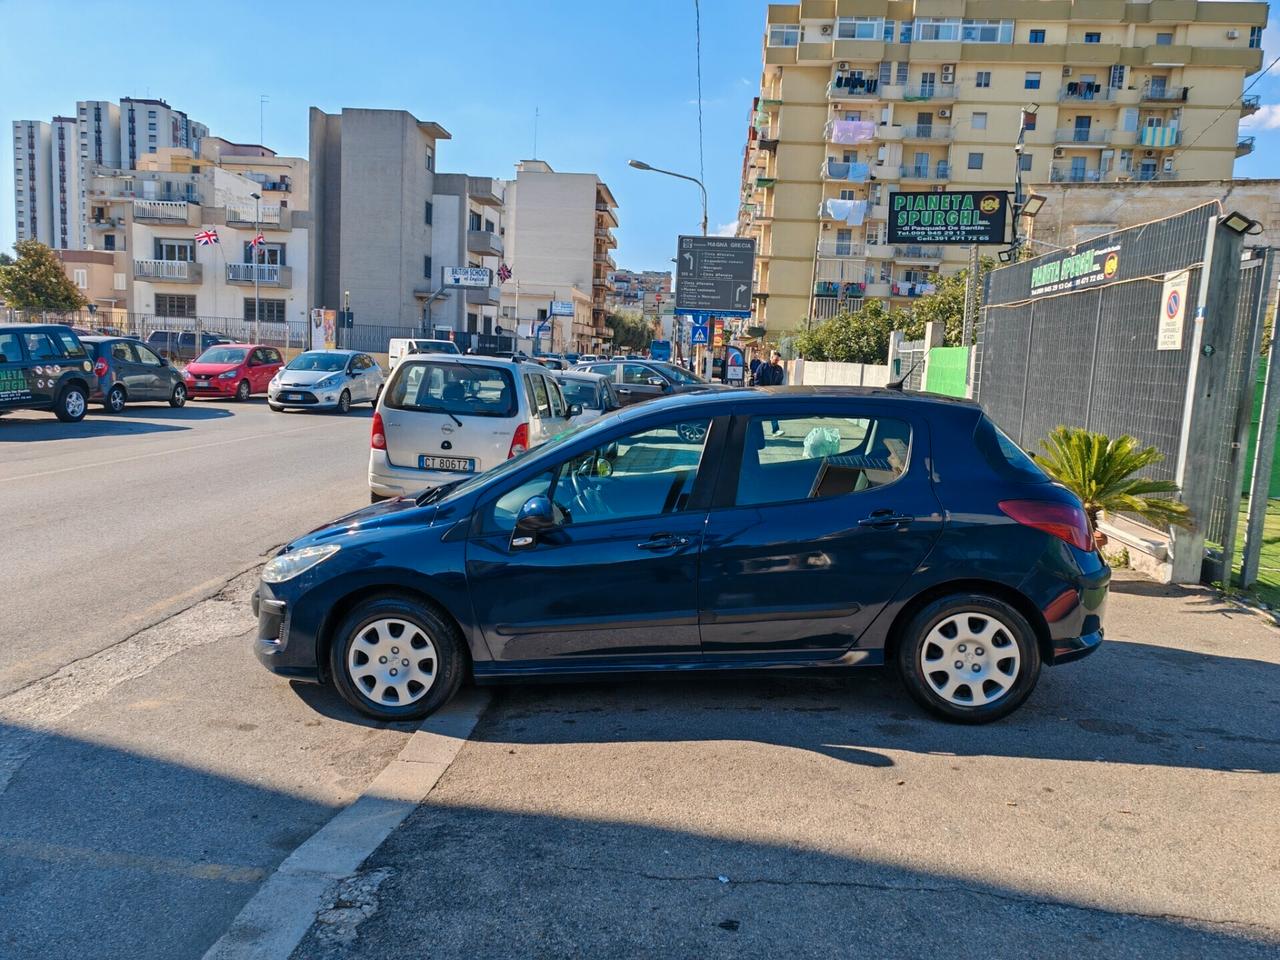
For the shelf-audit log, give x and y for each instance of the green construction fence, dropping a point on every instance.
(946, 371)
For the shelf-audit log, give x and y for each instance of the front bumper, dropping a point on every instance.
(307, 398)
(271, 645)
(216, 388)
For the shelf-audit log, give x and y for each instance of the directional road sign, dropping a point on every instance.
(713, 275)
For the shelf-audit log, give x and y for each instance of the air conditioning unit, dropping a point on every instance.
(1123, 178)
(843, 65)
(948, 73)
(1233, 34)
(826, 226)
(826, 29)
(944, 113)
(1066, 71)
(1059, 152)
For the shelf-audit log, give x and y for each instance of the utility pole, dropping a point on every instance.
(257, 302)
(970, 296)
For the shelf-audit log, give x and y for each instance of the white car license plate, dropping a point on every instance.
(293, 396)
(448, 464)
(202, 383)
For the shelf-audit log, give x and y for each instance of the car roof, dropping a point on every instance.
(580, 375)
(470, 360)
(28, 327)
(742, 399)
(335, 350)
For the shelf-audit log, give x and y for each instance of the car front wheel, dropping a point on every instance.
(242, 391)
(394, 658)
(72, 404)
(344, 402)
(179, 396)
(969, 658)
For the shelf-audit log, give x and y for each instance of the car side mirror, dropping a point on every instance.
(575, 410)
(164, 361)
(538, 515)
(657, 382)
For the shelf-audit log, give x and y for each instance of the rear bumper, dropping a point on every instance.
(1075, 648)
(389, 480)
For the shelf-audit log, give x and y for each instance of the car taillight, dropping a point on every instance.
(377, 437)
(100, 368)
(1063, 520)
(520, 442)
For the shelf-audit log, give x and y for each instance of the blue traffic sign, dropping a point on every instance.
(698, 333)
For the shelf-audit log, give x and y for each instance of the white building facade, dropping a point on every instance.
(33, 180)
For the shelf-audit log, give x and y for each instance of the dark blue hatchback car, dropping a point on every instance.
(788, 528)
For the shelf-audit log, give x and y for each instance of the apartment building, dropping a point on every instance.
(149, 219)
(372, 200)
(467, 231)
(862, 98)
(148, 126)
(644, 290)
(33, 180)
(559, 234)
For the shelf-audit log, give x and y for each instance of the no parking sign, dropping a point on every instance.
(1173, 308)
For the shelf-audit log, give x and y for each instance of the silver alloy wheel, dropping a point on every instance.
(115, 399)
(344, 402)
(74, 404)
(970, 658)
(179, 395)
(242, 391)
(392, 662)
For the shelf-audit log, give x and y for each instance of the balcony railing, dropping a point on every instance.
(854, 88)
(824, 308)
(486, 243)
(927, 131)
(1145, 173)
(917, 252)
(1159, 136)
(244, 213)
(1089, 136)
(939, 171)
(181, 270)
(1250, 103)
(1085, 93)
(839, 249)
(174, 210)
(1159, 93)
(1069, 175)
(849, 172)
(244, 272)
(924, 91)
(1244, 146)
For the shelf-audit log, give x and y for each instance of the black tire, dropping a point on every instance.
(276, 408)
(179, 396)
(72, 404)
(377, 395)
(116, 399)
(1018, 673)
(242, 391)
(425, 623)
(376, 497)
(344, 403)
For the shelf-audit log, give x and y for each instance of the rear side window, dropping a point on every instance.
(470, 390)
(540, 399)
(1005, 457)
(9, 349)
(815, 457)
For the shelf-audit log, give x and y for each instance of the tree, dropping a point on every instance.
(5, 260)
(1100, 471)
(36, 281)
(858, 337)
(946, 304)
(630, 330)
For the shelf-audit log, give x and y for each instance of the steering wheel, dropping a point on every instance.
(585, 495)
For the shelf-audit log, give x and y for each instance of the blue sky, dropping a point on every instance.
(612, 81)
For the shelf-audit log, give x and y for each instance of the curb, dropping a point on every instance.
(275, 920)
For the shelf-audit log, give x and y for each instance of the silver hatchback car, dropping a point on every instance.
(326, 380)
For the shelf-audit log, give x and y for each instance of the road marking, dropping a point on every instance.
(273, 923)
(162, 453)
(117, 860)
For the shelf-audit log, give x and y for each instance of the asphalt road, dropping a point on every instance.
(151, 773)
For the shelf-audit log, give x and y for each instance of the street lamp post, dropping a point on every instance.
(641, 165)
(257, 302)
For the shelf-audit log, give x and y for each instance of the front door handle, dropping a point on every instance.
(885, 518)
(663, 541)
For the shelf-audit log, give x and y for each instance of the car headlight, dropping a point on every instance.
(228, 375)
(328, 383)
(288, 565)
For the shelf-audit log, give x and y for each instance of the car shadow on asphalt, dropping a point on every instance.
(1130, 703)
(324, 700)
(31, 431)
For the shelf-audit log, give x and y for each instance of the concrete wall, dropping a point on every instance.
(813, 373)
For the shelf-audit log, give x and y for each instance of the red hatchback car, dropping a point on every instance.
(236, 370)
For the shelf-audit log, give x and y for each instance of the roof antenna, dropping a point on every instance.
(535, 132)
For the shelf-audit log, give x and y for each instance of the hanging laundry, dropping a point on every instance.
(852, 131)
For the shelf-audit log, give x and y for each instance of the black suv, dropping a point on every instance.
(640, 380)
(44, 366)
(183, 345)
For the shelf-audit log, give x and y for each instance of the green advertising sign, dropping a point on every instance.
(956, 216)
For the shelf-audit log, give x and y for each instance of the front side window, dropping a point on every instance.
(468, 390)
(815, 457)
(145, 356)
(784, 35)
(582, 392)
(71, 345)
(635, 373)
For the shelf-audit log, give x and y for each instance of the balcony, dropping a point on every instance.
(879, 251)
(825, 308)
(904, 288)
(914, 253)
(484, 191)
(167, 211)
(841, 250)
(927, 131)
(106, 223)
(244, 213)
(485, 243)
(606, 214)
(877, 290)
(1159, 93)
(1074, 175)
(1147, 173)
(867, 88)
(1244, 146)
(1083, 136)
(1159, 136)
(845, 172)
(934, 92)
(939, 171)
(1249, 104)
(171, 271)
(602, 258)
(268, 274)
(603, 236)
(483, 296)
(1085, 93)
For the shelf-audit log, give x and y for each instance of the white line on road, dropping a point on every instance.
(98, 464)
(274, 922)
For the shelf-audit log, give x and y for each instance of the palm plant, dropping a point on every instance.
(1101, 470)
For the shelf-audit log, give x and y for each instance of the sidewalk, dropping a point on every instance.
(1128, 810)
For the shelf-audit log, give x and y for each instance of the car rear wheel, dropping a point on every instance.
(344, 402)
(115, 399)
(242, 391)
(72, 404)
(179, 396)
(394, 658)
(969, 658)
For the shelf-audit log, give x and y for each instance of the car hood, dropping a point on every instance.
(389, 513)
(304, 378)
(210, 369)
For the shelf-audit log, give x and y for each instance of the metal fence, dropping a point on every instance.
(1080, 337)
(290, 334)
(375, 338)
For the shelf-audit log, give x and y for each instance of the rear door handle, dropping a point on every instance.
(885, 518)
(663, 541)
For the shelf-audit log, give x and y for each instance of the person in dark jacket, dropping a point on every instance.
(772, 374)
(756, 364)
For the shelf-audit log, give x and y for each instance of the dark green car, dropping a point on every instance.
(44, 366)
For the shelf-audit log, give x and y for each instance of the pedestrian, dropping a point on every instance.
(772, 374)
(756, 363)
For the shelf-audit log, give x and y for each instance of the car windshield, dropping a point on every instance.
(679, 374)
(322, 362)
(581, 391)
(461, 389)
(222, 355)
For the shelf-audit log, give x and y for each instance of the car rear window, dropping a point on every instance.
(583, 392)
(1005, 457)
(470, 390)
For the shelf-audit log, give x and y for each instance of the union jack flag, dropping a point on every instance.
(206, 237)
(504, 273)
(258, 241)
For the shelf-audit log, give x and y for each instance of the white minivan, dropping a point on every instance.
(401, 347)
(442, 418)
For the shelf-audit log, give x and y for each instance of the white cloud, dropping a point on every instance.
(729, 229)
(1267, 118)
